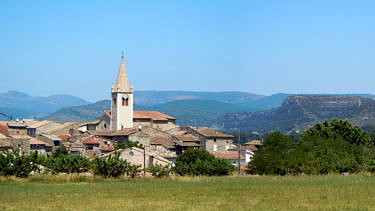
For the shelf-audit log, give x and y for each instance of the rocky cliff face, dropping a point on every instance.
(300, 112)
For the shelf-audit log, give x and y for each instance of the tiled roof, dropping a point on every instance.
(187, 138)
(187, 144)
(107, 112)
(165, 141)
(39, 124)
(127, 131)
(90, 123)
(254, 142)
(154, 115)
(4, 129)
(107, 148)
(51, 137)
(208, 132)
(250, 148)
(62, 126)
(180, 133)
(16, 124)
(229, 155)
(33, 141)
(90, 140)
(63, 137)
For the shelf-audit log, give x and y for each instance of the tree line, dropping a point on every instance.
(191, 162)
(327, 147)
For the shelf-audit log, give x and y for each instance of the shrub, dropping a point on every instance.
(196, 162)
(111, 166)
(159, 170)
(62, 162)
(13, 163)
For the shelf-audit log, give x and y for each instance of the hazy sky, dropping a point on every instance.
(264, 47)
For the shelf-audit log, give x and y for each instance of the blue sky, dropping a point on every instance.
(264, 47)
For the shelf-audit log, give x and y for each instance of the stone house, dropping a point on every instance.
(70, 128)
(39, 146)
(52, 140)
(119, 136)
(153, 119)
(211, 140)
(89, 126)
(91, 143)
(17, 128)
(105, 149)
(137, 156)
(5, 143)
(184, 141)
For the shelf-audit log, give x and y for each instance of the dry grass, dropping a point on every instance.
(189, 193)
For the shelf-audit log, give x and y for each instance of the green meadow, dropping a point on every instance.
(333, 192)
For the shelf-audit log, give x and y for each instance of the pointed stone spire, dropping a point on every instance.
(122, 82)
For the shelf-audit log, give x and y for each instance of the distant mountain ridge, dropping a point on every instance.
(300, 112)
(187, 112)
(22, 105)
(151, 98)
(221, 110)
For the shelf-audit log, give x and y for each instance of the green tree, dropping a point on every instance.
(196, 162)
(110, 166)
(339, 128)
(14, 163)
(62, 162)
(274, 156)
(159, 170)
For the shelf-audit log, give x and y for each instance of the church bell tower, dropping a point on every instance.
(122, 101)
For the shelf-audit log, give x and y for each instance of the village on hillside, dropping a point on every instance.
(161, 138)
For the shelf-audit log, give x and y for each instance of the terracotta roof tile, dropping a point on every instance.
(107, 112)
(4, 129)
(39, 124)
(64, 137)
(165, 141)
(229, 155)
(208, 132)
(33, 141)
(154, 115)
(126, 131)
(180, 133)
(90, 140)
(188, 144)
(107, 148)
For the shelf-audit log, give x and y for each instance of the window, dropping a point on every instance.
(125, 100)
(226, 147)
(214, 139)
(215, 148)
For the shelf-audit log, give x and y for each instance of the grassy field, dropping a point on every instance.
(186, 193)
